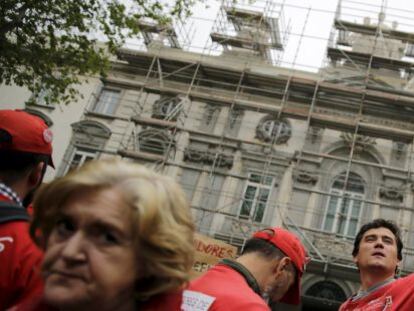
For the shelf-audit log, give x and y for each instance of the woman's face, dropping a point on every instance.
(90, 261)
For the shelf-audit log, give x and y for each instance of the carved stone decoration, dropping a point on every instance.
(194, 155)
(208, 157)
(244, 228)
(391, 193)
(166, 108)
(211, 111)
(235, 115)
(91, 127)
(305, 177)
(314, 134)
(332, 246)
(273, 130)
(400, 148)
(361, 143)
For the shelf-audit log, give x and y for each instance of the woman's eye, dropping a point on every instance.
(110, 238)
(64, 227)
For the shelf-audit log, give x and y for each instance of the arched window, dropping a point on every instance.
(153, 141)
(89, 137)
(344, 206)
(326, 290)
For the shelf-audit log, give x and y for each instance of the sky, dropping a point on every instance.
(306, 25)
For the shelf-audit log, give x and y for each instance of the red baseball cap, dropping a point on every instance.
(293, 248)
(28, 133)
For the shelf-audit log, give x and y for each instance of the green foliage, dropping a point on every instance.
(47, 45)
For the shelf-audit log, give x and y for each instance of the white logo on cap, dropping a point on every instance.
(47, 136)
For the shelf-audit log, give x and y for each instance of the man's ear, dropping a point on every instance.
(35, 175)
(282, 265)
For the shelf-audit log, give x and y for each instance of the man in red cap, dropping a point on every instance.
(270, 267)
(25, 152)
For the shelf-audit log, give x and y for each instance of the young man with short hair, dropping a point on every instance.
(270, 267)
(377, 253)
(25, 152)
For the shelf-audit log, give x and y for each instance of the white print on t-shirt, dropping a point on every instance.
(195, 301)
(5, 239)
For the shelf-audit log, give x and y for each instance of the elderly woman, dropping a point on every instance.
(115, 235)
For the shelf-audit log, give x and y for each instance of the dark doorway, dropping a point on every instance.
(323, 296)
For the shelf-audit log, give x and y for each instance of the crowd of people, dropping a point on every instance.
(115, 235)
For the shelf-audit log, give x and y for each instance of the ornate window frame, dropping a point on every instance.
(154, 141)
(88, 138)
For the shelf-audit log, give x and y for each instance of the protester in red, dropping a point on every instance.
(25, 152)
(377, 253)
(270, 267)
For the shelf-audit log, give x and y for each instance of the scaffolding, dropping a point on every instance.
(256, 140)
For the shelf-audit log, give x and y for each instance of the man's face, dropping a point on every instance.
(377, 251)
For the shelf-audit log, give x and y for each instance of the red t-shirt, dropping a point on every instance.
(20, 261)
(398, 295)
(227, 289)
(164, 302)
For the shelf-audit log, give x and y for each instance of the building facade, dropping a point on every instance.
(255, 144)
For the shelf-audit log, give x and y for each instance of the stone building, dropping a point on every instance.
(255, 144)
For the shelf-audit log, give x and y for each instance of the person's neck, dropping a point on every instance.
(260, 269)
(373, 278)
(18, 188)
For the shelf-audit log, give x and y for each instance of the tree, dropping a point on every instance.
(48, 44)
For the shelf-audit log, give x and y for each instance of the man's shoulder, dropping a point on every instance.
(228, 289)
(394, 293)
(345, 304)
(405, 282)
(219, 278)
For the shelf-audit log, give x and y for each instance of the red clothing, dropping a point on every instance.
(20, 261)
(229, 290)
(398, 295)
(33, 304)
(165, 302)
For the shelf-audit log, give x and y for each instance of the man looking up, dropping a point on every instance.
(377, 253)
(25, 152)
(270, 267)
